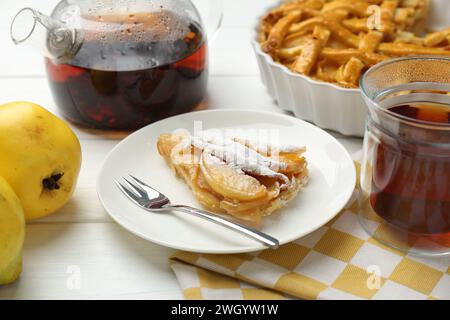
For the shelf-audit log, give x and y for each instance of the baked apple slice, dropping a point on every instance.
(229, 181)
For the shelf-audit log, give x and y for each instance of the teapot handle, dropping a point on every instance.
(211, 12)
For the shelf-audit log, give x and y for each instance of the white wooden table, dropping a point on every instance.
(81, 238)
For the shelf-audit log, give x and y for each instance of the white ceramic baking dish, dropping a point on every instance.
(325, 104)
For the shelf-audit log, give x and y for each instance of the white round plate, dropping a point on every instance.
(332, 181)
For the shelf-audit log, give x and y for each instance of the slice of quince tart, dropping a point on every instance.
(235, 175)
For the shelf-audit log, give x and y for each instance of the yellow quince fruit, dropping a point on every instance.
(40, 157)
(12, 233)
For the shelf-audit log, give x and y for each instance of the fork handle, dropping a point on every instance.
(269, 241)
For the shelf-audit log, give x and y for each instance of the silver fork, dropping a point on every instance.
(151, 200)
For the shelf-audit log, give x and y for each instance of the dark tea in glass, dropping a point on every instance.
(410, 179)
(404, 201)
(142, 68)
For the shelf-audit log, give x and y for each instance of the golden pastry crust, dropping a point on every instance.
(225, 188)
(338, 40)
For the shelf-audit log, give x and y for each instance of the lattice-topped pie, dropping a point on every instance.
(338, 40)
(236, 175)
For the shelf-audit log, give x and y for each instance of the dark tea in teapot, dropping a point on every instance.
(140, 69)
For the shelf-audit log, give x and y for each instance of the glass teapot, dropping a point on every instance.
(122, 64)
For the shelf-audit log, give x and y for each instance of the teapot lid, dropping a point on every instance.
(89, 14)
(151, 31)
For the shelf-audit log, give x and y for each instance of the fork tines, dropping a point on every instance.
(132, 188)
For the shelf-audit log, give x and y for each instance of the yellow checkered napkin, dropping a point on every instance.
(338, 261)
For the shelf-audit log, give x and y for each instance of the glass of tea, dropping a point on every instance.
(404, 201)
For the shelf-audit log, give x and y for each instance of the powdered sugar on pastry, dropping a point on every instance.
(228, 173)
(259, 144)
(242, 156)
(266, 147)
